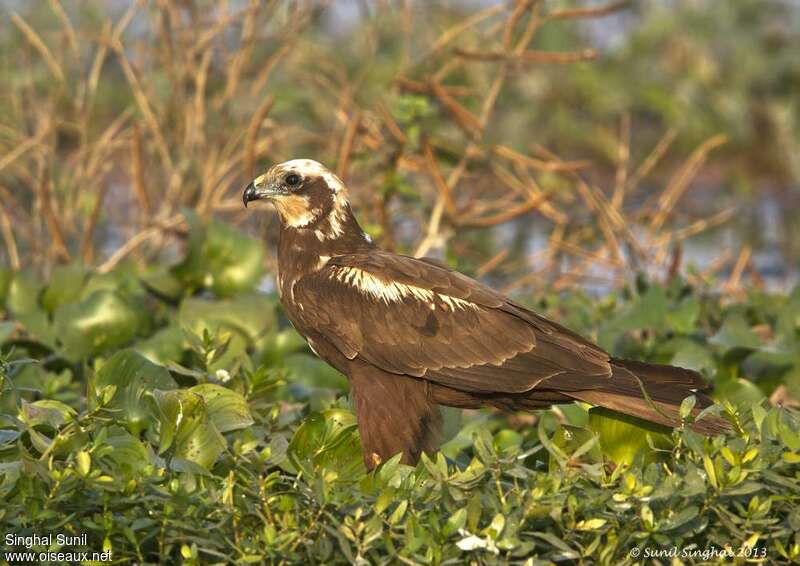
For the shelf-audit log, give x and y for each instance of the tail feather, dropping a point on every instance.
(666, 387)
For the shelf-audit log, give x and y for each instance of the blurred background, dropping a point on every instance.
(534, 144)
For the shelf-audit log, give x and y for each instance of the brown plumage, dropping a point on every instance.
(411, 334)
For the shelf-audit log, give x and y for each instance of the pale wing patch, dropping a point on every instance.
(393, 292)
(322, 262)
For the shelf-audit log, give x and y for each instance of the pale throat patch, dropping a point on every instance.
(294, 210)
(393, 292)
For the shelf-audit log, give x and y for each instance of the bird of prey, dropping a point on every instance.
(411, 334)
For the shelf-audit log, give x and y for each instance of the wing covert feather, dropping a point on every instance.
(413, 317)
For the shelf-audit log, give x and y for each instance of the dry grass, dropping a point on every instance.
(114, 125)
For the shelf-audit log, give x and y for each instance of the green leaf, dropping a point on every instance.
(83, 463)
(455, 522)
(686, 406)
(590, 524)
(649, 311)
(739, 392)
(164, 347)
(623, 437)
(679, 518)
(495, 528)
(691, 355)
(128, 455)
(683, 319)
(46, 411)
(228, 409)
(6, 275)
(328, 441)
(508, 441)
(103, 321)
(220, 259)
(65, 286)
(186, 426)
(23, 292)
(278, 344)
(252, 315)
(310, 371)
(734, 333)
(161, 281)
(398, 513)
(134, 377)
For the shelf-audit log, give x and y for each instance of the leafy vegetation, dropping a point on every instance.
(180, 419)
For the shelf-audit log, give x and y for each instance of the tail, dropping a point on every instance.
(665, 387)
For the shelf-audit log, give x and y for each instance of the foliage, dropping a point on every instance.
(205, 432)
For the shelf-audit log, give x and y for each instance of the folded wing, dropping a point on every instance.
(418, 318)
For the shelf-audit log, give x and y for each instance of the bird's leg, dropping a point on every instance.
(395, 414)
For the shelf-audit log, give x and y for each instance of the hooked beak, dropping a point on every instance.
(258, 190)
(249, 194)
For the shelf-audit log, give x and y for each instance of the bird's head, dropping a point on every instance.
(304, 192)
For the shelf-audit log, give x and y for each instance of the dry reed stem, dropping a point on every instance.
(144, 104)
(442, 186)
(97, 152)
(492, 262)
(738, 268)
(529, 205)
(549, 57)
(129, 246)
(346, 147)
(590, 256)
(680, 181)
(467, 121)
(40, 46)
(196, 132)
(491, 98)
(432, 234)
(696, 227)
(137, 174)
(456, 30)
(531, 189)
(539, 164)
(653, 158)
(10, 241)
(592, 12)
(418, 87)
(755, 276)
(59, 246)
(717, 264)
(69, 31)
(23, 148)
(522, 6)
(219, 26)
(252, 135)
(241, 56)
(390, 123)
(87, 244)
(676, 258)
(623, 157)
(94, 72)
